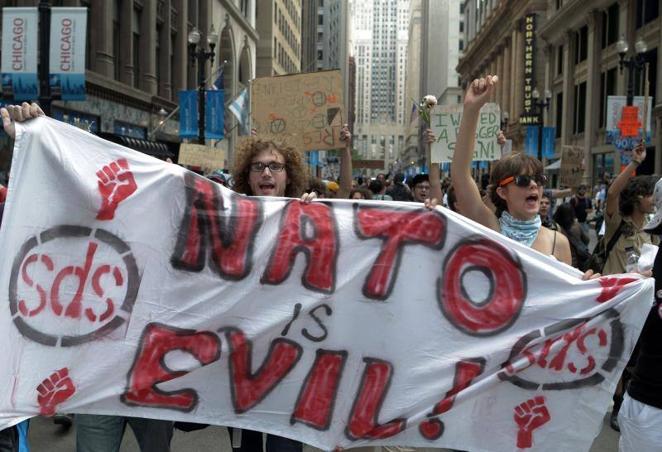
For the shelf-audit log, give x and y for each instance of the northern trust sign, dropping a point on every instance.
(529, 115)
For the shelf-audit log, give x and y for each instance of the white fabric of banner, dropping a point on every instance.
(131, 286)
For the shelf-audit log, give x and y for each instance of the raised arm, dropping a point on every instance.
(466, 190)
(345, 163)
(621, 181)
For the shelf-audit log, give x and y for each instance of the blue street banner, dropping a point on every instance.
(214, 114)
(188, 114)
(67, 53)
(548, 134)
(531, 141)
(313, 159)
(19, 54)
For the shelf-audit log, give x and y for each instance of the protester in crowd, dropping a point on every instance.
(629, 201)
(378, 190)
(545, 213)
(360, 193)
(264, 168)
(583, 207)
(218, 176)
(332, 189)
(567, 223)
(3, 193)
(451, 199)
(316, 185)
(399, 191)
(640, 415)
(517, 182)
(420, 187)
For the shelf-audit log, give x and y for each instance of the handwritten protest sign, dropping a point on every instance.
(571, 173)
(445, 122)
(338, 323)
(303, 110)
(206, 157)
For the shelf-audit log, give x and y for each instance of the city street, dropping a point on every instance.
(46, 437)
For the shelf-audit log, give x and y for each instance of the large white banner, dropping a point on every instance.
(19, 53)
(130, 286)
(67, 53)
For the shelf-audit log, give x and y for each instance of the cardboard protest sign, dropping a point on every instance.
(445, 122)
(133, 287)
(571, 173)
(207, 157)
(303, 110)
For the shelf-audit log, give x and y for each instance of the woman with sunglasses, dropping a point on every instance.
(516, 185)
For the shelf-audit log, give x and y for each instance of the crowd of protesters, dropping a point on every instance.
(513, 202)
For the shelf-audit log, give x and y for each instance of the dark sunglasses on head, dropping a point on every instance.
(274, 167)
(524, 180)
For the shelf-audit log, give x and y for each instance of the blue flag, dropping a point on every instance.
(531, 141)
(188, 114)
(214, 114)
(548, 142)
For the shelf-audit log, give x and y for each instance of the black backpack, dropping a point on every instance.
(601, 251)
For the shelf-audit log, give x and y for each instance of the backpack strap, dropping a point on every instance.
(613, 240)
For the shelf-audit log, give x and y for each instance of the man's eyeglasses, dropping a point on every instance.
(524, 180)
(274, 167)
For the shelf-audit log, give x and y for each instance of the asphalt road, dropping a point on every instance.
(47, 437)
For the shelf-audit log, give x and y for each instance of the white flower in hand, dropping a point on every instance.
(430, 101)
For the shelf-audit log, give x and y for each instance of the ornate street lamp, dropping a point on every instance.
(633, 64)
(201, 54)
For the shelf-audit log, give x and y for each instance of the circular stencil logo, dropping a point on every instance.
(72, 284)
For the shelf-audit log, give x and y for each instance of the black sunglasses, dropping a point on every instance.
(524, 180)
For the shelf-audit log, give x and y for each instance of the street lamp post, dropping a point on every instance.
(44, 51)
(538, 106)
(201, 54)
(633, 64)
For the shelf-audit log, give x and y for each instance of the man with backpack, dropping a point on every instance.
(629, 201)
(582, 206)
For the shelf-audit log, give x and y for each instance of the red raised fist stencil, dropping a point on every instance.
(529, 416)
(54, 390)
(116, 183)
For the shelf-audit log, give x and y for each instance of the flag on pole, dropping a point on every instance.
(412, 116)
(239, 108)
(219, 83)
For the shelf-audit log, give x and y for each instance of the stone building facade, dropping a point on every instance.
(575, 59)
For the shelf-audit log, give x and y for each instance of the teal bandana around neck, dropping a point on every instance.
(522, 231)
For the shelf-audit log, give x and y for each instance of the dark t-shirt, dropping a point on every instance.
(646, 383)
(581, 205)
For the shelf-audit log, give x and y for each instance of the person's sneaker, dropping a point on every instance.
(613, 421)
(65, 420)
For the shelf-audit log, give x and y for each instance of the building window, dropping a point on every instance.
(647, 11)
(244, 7)
(607, 88)
(559, 4)
(461, 44)
(461, 27)
(581, 44)
(559, 60)
(580, 108)
(559, 113)
(116, 39)
(610, 25)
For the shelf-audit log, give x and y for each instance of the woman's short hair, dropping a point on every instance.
(367, 194)
(297, 178)
(513, 165)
